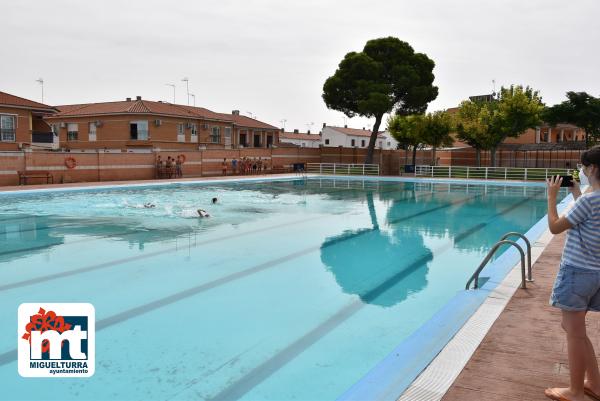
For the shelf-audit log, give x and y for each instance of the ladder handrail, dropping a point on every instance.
(498, 244)
(524, 238)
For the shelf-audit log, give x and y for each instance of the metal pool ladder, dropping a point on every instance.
(504, 241)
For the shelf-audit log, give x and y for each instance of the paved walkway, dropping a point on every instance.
(525, 350)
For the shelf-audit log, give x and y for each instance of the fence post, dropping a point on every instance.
(333, 168)
(546, 174)
(363, 169)
(486, 173)
(431, 167)
(525, 178)
(467, 176)
(450, 172)
(505, 173)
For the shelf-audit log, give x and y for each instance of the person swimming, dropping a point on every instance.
(203, 213)
(214, 200)
(149, 205)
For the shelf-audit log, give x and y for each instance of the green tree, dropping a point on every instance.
(436, 131)
(580, 109)
(473, 122)
(386, 75)
(408, 131)
(516, 110)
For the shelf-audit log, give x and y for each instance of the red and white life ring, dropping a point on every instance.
(70, 163)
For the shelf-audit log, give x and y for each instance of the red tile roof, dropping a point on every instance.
(354, 131)
(136, 107)
(247, 122)
(156, 108)
(299, 136)
(12, 100)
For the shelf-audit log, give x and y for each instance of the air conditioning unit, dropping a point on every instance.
(63, 125)
(204, 127)
(99, 123)
(158, 123)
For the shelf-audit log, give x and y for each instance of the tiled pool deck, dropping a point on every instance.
(525, 350)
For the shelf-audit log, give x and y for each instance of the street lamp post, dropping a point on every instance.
(173, 86)
(41, 82)
(187, 86)
(193, 97)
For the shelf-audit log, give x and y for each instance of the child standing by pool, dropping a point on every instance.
(577, 287)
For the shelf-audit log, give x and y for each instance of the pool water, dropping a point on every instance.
(292, 289)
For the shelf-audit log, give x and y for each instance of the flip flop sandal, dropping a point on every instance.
(589, 392)
(553, 395)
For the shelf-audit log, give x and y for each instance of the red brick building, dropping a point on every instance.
(138, 124)
(22, 123)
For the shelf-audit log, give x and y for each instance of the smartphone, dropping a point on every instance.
(567, 181)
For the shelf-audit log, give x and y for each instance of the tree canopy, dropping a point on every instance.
(579, 109)
(485, 125)
(408, 131)
(387, 75)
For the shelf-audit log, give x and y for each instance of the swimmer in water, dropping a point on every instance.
(203, 213)
(214, 200)
(149, 205)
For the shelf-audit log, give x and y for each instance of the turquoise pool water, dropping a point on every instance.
(290, 290)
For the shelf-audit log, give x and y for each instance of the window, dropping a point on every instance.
(353, 143)
(194, 137)
(7, 128)
(215, 134)
(380, 144)
(92, 134)
(180, 132)
(326, 141)
(72, 131)
(362, 143)
(138, 130)
(389, 143)
(227, 136)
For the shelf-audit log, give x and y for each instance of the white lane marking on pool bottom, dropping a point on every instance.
(433, 383)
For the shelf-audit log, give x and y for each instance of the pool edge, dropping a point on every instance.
(436, 342)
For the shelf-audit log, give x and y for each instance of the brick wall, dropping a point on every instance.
(94, 166)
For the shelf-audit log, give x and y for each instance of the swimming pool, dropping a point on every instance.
(292, 289)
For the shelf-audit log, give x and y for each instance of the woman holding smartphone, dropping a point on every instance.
(577, 286)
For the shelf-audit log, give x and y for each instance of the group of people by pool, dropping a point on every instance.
(245, 166)
(170, 168)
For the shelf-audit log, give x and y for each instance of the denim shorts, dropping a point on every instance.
(576, 289)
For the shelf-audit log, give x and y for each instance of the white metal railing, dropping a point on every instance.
(489, 173)
(342, 169)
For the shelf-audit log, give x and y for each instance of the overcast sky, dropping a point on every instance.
(271, 57)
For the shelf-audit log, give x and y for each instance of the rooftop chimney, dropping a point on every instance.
(282, 129)
(345, 125)
(128, 99)
(363, 128)
(235, 112)
(324, 125)
(308, 132)
(296, 131)
(138, 98)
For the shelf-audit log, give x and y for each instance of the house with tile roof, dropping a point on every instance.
(355, 138)
(303, 140)
(138, 125)
(22, 123)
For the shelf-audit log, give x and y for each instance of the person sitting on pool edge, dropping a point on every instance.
(203, 213)
(576, 289)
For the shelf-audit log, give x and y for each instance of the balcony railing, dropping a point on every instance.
(42, 137)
